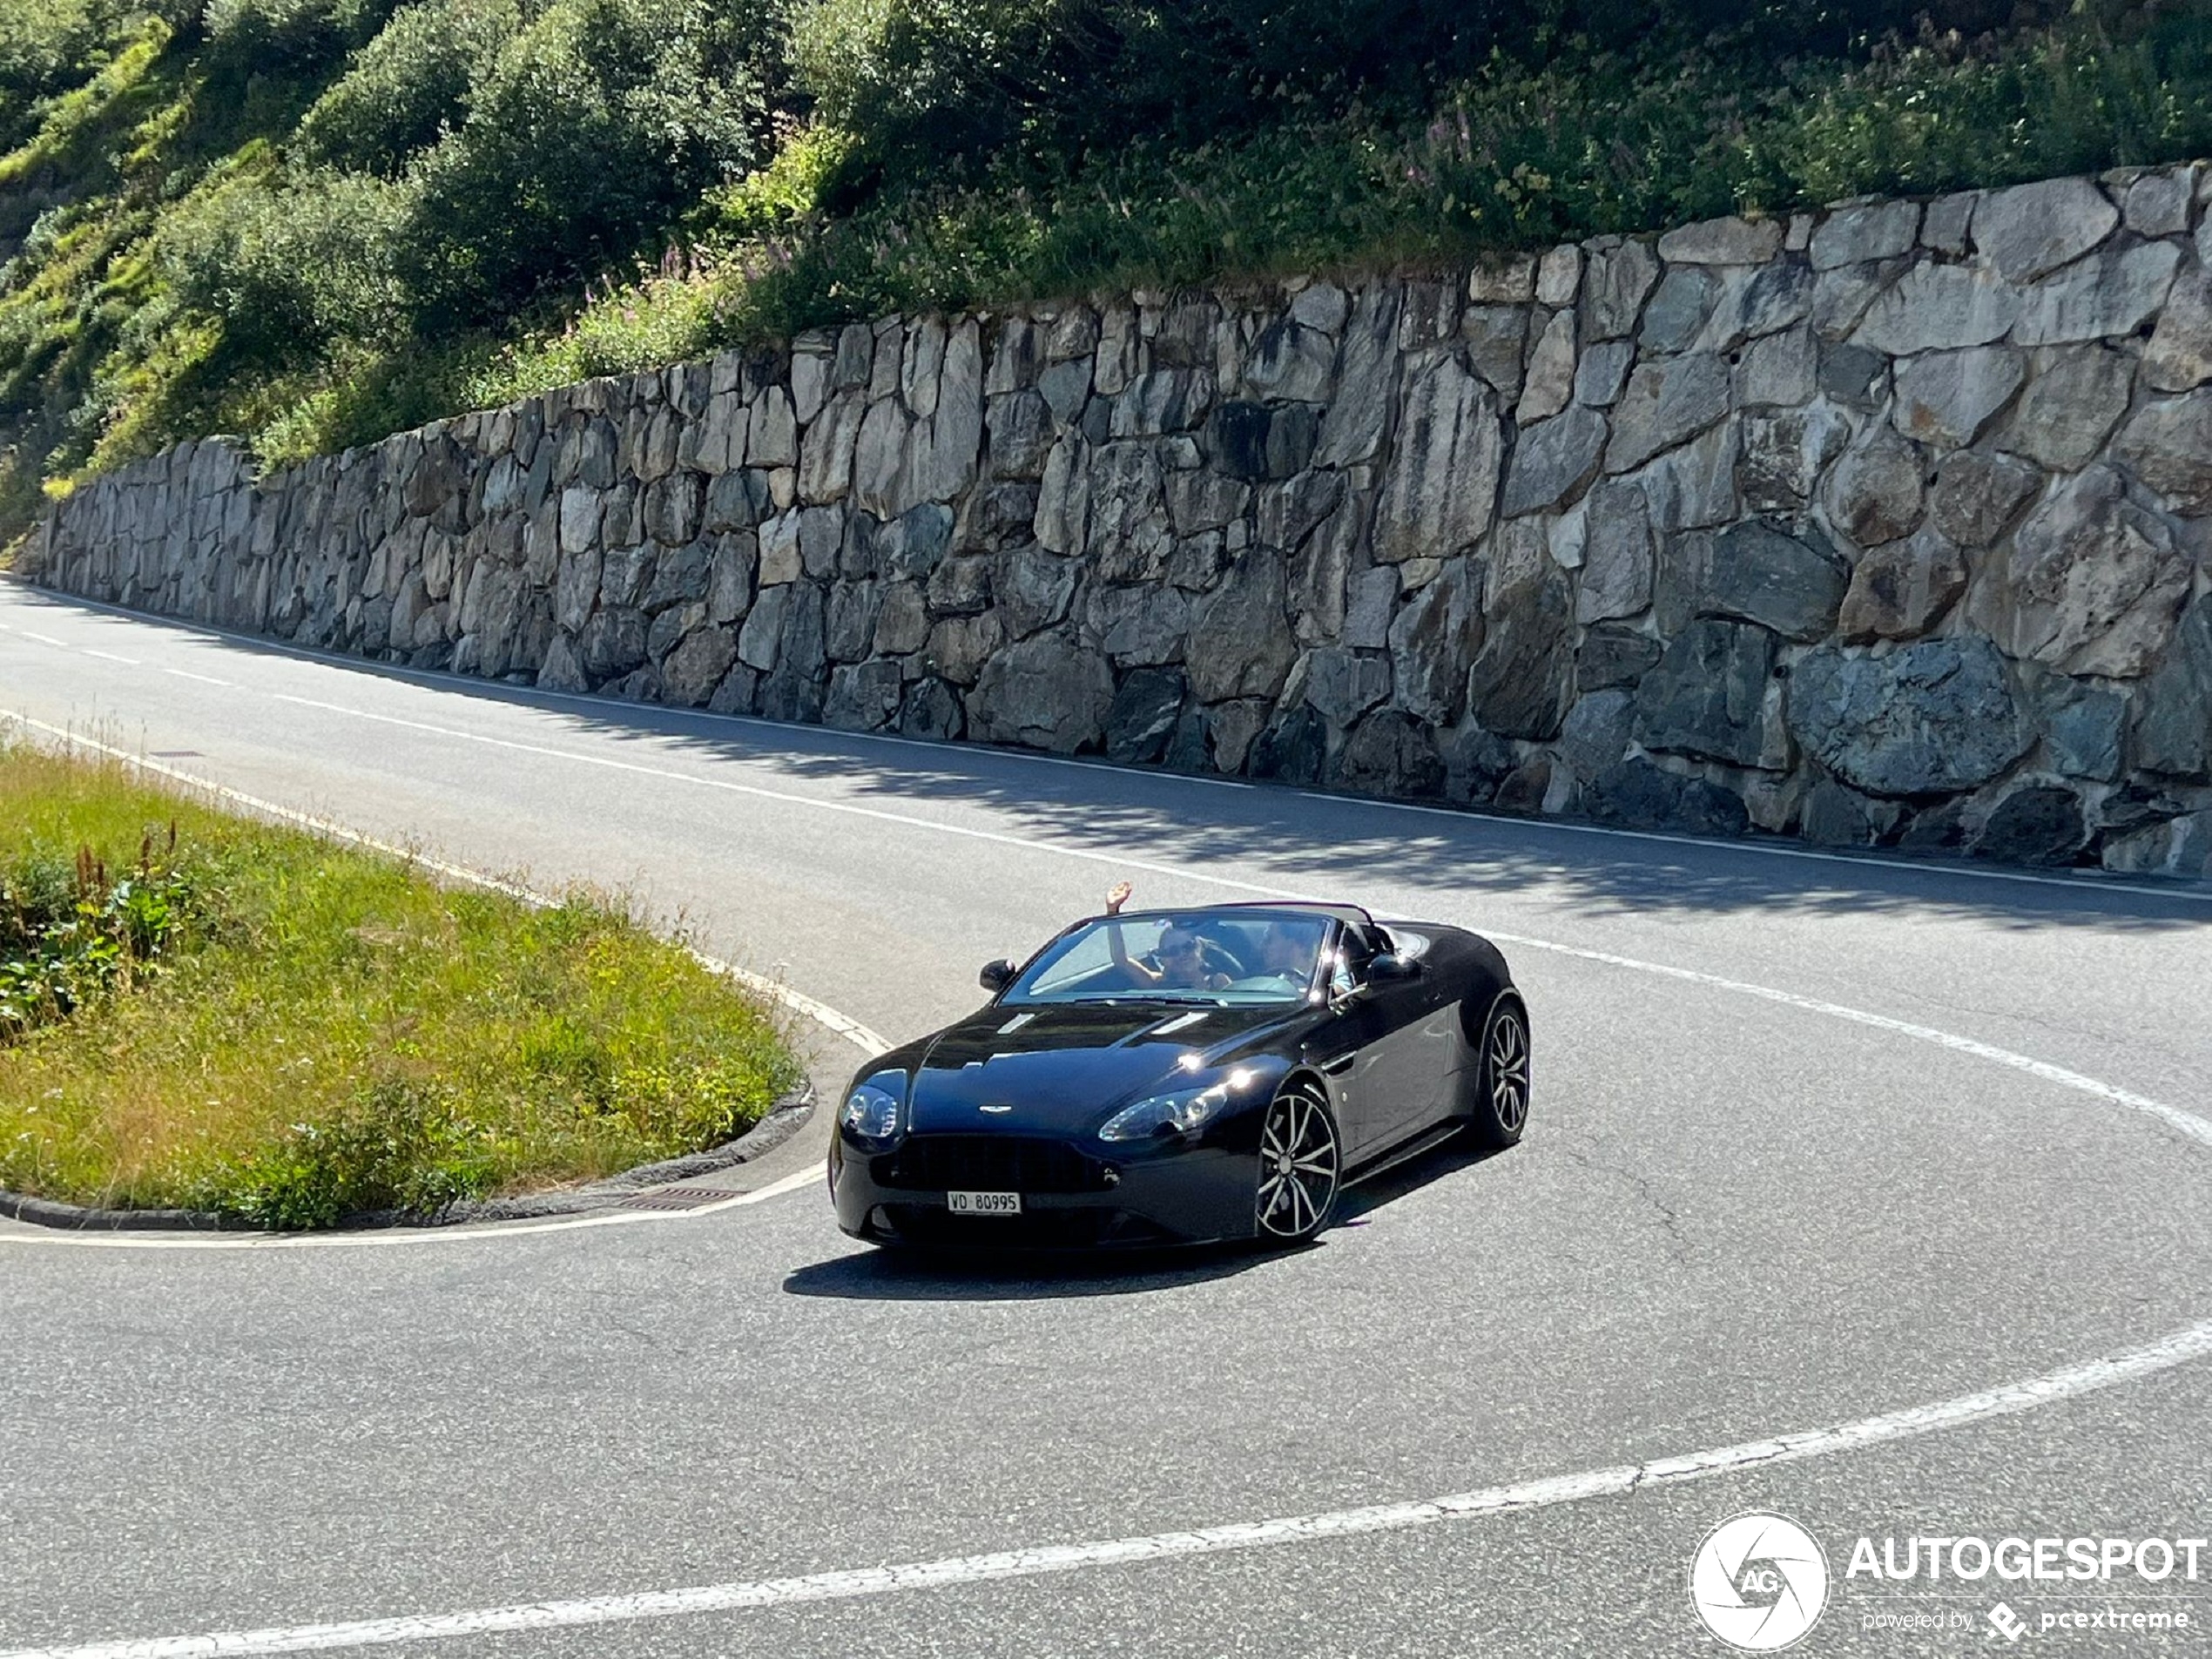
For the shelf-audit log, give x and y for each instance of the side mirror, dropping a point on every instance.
(1388, 967)
(997, 975)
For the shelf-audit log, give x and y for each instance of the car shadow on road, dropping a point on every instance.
(898, 1275)
(1364, 1198)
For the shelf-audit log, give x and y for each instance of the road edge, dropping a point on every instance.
(787, 1114)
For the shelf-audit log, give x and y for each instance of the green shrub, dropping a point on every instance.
(407, 85)
(69, 934)
(45, 46)
(399, 1147)
(287, 40)
(292, 264)
(590, 129)
(927, 82)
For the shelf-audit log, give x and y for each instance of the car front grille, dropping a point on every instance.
(930, 1224)
(988, 1163)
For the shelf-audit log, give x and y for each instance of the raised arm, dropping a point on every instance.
(1117, 896)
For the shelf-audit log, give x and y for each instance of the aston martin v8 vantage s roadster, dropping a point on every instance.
(1172, 1076)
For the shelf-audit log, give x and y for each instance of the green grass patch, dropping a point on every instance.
(292, 1031)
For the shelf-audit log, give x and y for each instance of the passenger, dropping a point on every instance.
(1181, 954)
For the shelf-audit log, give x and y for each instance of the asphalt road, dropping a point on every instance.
(1736, 1215)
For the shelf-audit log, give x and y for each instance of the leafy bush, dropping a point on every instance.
(925, 83)
(398, 1148)
(284, 40)
(44, 45)
(590, 129)
(69, 935)
(407, 85)
(291, 264)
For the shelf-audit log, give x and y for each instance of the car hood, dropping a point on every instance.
(1061, 1068)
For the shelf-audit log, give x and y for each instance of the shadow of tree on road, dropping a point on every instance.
(1303, 840)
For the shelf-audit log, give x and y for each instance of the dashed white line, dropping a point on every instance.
(2178, 1348)
(205, 679)
(110, 656)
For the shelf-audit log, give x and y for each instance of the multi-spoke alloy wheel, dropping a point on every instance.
(1298, 1164)
(1501, 1104)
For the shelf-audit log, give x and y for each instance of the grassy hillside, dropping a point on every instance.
(311, 222)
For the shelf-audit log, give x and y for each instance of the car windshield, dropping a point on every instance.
(1222, 956)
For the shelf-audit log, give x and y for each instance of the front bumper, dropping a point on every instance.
(1180, 1195)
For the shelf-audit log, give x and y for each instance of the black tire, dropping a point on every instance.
(1502, 1089)
(1301, 1165)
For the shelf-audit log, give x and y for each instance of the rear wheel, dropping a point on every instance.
(1299, 1162)
(1501, 1080)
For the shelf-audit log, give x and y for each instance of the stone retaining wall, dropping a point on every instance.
(1889, 524)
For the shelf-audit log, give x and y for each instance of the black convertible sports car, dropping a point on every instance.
(1178, 1075)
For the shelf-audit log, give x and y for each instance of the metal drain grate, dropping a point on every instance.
(678, 1198)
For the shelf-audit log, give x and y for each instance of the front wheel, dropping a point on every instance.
(1501, 1083)
(1299, 1162)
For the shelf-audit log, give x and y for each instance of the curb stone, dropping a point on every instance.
(785, 1117)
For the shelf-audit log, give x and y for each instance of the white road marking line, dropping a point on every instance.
(2187, 1123)
(45, 639)
(2193, 1127)
(110, 656)
(473, 685)
(382, 1239)
(2086, 882)
(205, 679)
(763, 792)
(1965, 1045)
(2179, 1348)
(869, 1042)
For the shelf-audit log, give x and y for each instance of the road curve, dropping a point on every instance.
(1802, 1180)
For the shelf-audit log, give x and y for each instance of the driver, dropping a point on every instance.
(1288, 951)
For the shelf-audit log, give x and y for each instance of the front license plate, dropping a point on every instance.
(984, 1203)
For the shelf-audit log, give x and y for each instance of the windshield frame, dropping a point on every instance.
(1313, 993)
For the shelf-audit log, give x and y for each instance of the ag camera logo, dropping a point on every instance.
(1758, 1581)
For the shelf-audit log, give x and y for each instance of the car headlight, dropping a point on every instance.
(1184, 1112)
(871, 1115)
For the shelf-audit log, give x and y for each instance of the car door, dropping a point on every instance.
(1422, 1043)
(1353, 1046)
